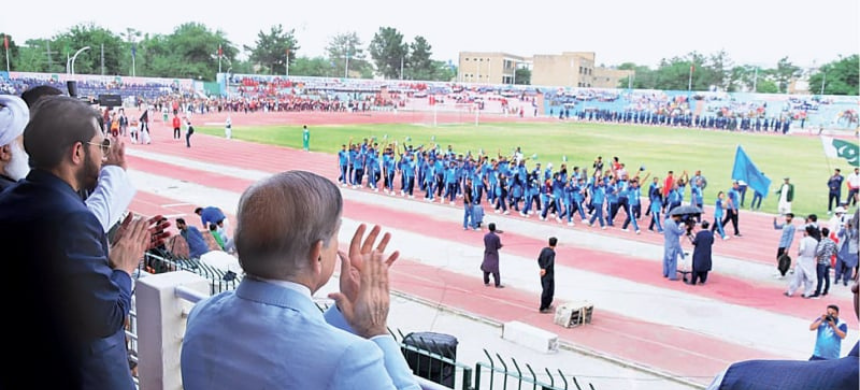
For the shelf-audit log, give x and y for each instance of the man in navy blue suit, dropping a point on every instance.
(834, 374)
(72, 301)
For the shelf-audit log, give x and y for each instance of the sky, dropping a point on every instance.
(754, 32)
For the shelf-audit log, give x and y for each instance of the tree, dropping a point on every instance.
(523, 76)
(444, 71)
(419, 65)
(839, 77)
(783, 74)
(271, 49)
(96, 37)
(14, 52)
(316, 66)
(191, 51)
(389, 52)
(349, 45)
(644, 77)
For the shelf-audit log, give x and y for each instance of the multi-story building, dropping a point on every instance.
(489, 68)
(568, 69)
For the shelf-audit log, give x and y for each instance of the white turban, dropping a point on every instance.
(14, 116)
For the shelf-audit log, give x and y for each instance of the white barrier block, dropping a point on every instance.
(530, 336)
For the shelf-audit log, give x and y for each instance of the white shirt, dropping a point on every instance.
(783, 194)
(112, 196)
(854, 180)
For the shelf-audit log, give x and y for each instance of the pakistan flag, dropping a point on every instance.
(837, 148)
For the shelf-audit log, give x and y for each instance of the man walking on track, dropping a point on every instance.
(546, 261)
(490, 265)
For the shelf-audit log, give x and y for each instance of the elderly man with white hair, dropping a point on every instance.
(14, 116)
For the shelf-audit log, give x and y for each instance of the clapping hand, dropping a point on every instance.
(364, 290)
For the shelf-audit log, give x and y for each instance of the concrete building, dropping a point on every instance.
(611, 78)
(569, 69)
(489, 68)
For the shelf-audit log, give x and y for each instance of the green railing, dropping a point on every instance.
(435, 362)
(513, 377)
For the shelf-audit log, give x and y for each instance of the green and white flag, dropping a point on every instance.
(837, 148)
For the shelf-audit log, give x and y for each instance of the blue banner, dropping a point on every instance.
(745, 170)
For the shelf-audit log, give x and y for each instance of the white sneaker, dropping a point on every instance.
(638, 231)
(496, 211)
(411, 196)
(507, 213)
(570, 224)
(726, 238)
(625, 230)
(603, 227)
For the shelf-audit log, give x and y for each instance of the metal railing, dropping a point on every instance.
(515, 377)
(435, 362)
(219, 280)
(435, 365)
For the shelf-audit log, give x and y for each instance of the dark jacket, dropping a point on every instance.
(546, 261)
(703, 241)
(69, 303)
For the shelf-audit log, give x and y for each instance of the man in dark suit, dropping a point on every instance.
(490, 265)
(795, 375)
(546, 261)
(75, 297)
(703, 242)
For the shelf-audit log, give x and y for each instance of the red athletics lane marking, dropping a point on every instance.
(758, 244)
(664, 347)
(723, 288)
(681, 352)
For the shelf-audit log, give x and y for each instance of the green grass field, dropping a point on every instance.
(658, 149)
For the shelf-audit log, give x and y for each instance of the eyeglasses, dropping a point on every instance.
(104, 145)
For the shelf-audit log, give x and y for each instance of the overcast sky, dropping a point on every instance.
(750, 31)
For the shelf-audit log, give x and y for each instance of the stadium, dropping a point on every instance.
(616, 323)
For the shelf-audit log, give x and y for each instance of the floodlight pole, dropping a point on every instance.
(74, 57)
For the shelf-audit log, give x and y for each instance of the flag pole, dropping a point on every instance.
(826, 157)
(690, 80)
(6, 45)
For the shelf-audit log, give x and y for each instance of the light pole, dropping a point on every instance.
(823, 81)
(74, 57)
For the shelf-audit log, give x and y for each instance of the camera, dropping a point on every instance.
(830, 318)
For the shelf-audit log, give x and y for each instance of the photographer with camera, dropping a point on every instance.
(831, 332)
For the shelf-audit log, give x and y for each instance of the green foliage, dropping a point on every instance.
(90, 61)
(316, 66)
(783, 74)
(443, 71)
(271, 49)
(14, 53)
(715, 70)
(839, 77)
(349, 45)
(419, 65)
(388, 52)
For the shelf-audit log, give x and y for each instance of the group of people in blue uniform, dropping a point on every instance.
(716, 122)
(598, 195)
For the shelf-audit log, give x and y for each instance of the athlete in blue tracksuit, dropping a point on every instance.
(633, 207)
(343, 164)
(598, 196)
